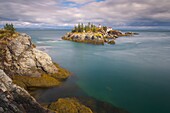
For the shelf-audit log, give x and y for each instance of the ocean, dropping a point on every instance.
(133, 74)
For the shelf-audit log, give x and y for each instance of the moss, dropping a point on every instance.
(69, 105)
(62, 73)
(46, 80)
(35, 82)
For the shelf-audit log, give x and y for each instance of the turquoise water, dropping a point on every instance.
(134, 74)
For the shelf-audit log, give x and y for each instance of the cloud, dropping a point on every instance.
(39, 13)
(80, 1)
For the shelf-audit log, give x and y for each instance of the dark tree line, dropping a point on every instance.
(9, 27)
(85, 28)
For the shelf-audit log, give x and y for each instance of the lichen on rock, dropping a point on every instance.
(69, 105)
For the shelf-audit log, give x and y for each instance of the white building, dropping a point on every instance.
(99, 26)
(109, 29)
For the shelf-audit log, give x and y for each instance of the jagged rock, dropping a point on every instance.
(14, 99)
(28, 66)
(22, 58)
(69, 105)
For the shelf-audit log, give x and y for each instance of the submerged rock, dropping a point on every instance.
(69, 105)
(14, 99)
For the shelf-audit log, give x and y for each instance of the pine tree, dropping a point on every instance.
(9, 27)
(79, 27)
(104, 28)
(82, 27)
(76, 29)
(86, 28)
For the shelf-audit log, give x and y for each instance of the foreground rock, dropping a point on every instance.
(69, 105)
(22, 58)
(26, 65)
(14, 99)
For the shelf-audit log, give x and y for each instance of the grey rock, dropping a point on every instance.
(1, 109)
(14, 99)
(22, 58)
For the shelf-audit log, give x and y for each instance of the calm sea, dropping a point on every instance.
(134, 74)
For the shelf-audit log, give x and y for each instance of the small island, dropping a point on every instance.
(97, 35)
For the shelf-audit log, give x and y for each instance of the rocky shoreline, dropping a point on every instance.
(95, 35)
(22, 67)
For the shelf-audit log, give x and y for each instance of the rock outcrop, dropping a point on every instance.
(14, 99)
(22, 58)
(26, 65)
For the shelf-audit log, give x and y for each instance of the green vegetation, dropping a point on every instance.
(62, 73)
(35, 82)
(9, 27)
(85, 28)
(7, 32)
(104, 28)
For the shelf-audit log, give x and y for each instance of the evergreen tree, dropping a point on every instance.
(79, 27)
(9, 27)
(76, 29)
(86, 28)
(82, 27)
(94, 29)
(104, 28)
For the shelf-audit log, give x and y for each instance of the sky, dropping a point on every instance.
(67, 13)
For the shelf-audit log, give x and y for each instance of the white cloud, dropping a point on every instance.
(80, 1)
(108, 12)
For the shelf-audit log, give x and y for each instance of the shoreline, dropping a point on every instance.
(31, 68)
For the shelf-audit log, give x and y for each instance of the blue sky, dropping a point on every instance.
(56, 13)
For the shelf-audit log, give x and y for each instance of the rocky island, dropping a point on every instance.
(98, 35)
(23, 67)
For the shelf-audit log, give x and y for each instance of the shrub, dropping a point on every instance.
(9, 27)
